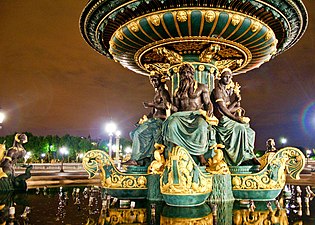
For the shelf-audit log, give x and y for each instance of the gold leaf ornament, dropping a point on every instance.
(155, 20)
(236, 19)
(182, 16)
(133, 27)
(210, 16)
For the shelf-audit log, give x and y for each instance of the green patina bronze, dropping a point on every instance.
(158, 37)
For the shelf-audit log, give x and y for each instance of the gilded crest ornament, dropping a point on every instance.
(133, 26)
(255, 26)
(210, 16)
(269, 35)
(236, 19)
(182, 16)
(201, 67)
(112, 44)
(119, 35)
(155, 20)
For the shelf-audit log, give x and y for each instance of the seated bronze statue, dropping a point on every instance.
(233, 129)
(149, 128)
(187, 126)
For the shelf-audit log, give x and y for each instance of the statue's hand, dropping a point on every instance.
(244, 119)
(146, 104)
(238, 98)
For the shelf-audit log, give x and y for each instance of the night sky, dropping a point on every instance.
(53, 82)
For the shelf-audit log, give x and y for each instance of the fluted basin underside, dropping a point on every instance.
(150, 35)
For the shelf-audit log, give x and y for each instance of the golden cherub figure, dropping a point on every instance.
(217, 165)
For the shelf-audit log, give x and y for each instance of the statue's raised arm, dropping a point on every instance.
(162, 100)
(149, 129)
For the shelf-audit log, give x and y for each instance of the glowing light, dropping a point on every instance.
(128, 150)
(283, 140)
(118, 133)
(2, 116)
(63, 151)
(308, 119)
(110, 128)
(27, 156)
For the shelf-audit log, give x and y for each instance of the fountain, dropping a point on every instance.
(158, 37)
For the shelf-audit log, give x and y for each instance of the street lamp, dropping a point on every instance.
(81, 156)
(63, 151)
(2, 117)
(110, 129)
(42, 157)
(118, 133)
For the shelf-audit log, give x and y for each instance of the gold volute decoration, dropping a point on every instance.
(208, 54)
(116, 180)
(269, 35)
(256, 26)
(201, 68)
(119, 35)
(263, 181)
(170, 55)
(273, 175)
(95, 160)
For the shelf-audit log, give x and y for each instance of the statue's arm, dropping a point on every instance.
(219, 100)
(148, 104)
(234, 106)
(176, 103)
(206, 100)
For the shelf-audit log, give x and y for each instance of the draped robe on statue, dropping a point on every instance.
(189, 130)
(238, 139)
(144, 137)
